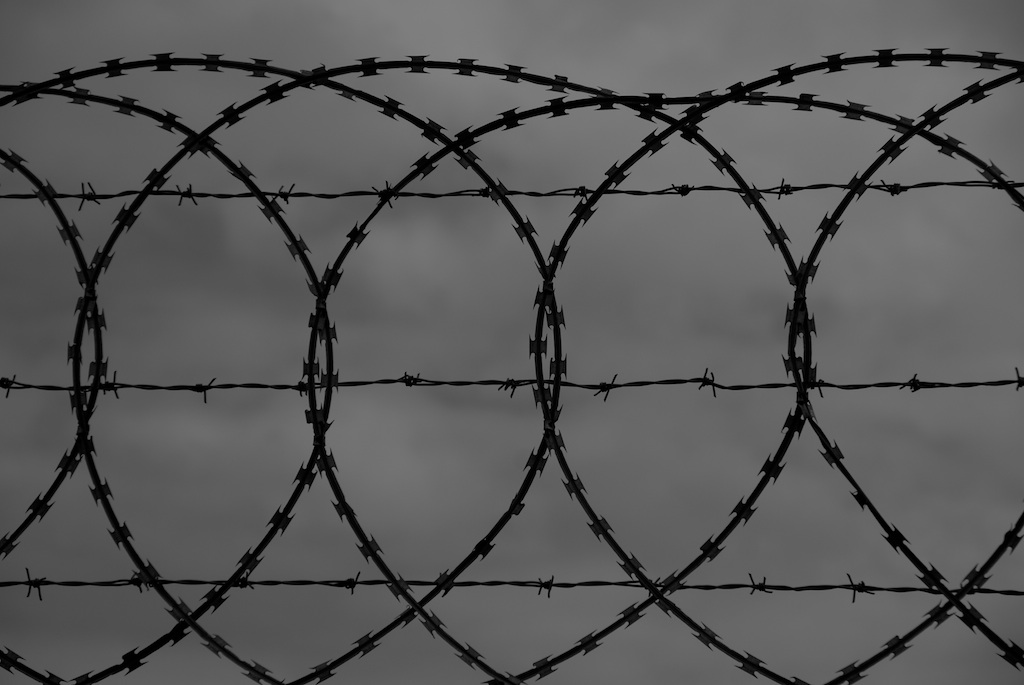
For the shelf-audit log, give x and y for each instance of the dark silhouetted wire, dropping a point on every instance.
(92, 381)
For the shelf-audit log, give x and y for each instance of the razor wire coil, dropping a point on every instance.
(320, 379)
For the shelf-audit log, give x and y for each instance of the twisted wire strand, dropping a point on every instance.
(603, 388)
(546, 386)
(351, 584)
(680, 190)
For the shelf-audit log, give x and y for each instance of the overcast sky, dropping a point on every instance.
(924, 282)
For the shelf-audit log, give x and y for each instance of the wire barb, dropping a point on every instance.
(709, 380)
(606, 388)
(758, 587)
(34, 584)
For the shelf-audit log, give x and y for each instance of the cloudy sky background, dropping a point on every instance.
(926, 283)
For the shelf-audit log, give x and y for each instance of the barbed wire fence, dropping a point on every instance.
(90, 380)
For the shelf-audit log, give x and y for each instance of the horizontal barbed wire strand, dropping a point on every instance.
(913, 384)
(539, 584)
(571, 192)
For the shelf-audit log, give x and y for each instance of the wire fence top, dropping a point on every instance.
(524, 361)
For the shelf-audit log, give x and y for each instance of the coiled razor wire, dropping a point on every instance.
(320, 377)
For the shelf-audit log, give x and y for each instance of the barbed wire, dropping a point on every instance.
(541, 585)
(681, 190)
(707, 380)
(90, 377)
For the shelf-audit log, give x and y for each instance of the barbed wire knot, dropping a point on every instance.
(606, 388)
(199, 387)
(110, 386)
(285, 194)
(186, 195)
(509, 384)
(708, 380)
(87, 196)
(139, 581)
(857, 587)
(385, 195)
(759, 587)
(34, 584)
